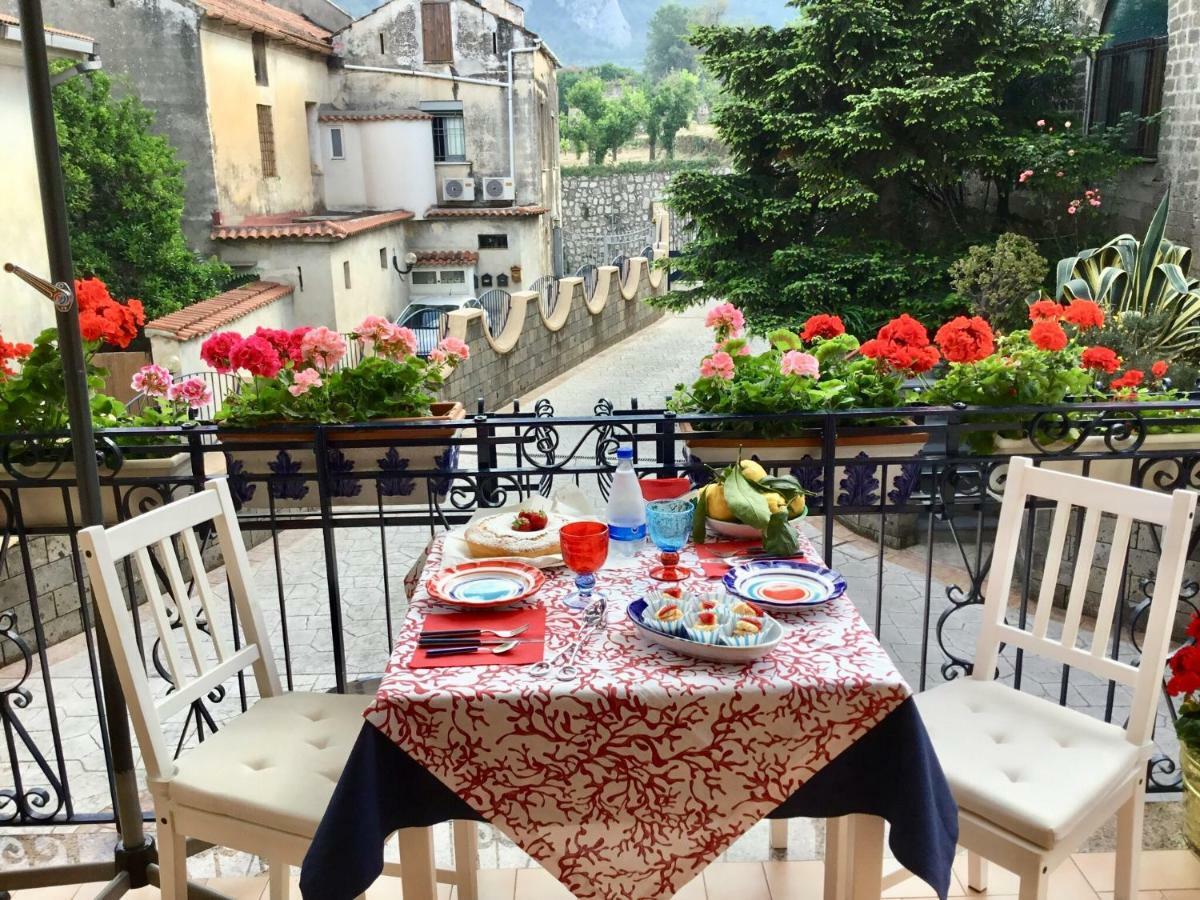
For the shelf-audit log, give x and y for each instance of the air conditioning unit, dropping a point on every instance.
(499, 189)
(458, 189)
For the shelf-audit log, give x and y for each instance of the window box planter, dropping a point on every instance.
(286, 478)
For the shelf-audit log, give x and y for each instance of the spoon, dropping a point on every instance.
(473, 648)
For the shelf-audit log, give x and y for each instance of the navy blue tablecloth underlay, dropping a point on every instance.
(890, 772)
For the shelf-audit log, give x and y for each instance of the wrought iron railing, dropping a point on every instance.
(339, 513)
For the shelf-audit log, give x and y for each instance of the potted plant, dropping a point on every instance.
(823, 368)
(296, 378)
(1185, 682)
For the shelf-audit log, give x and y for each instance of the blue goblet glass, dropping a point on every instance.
(670, 524)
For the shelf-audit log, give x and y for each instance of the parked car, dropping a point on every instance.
(426, 316)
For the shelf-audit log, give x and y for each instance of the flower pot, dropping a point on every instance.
(135, 490)
(285, 475)
(856, 483)
(1189, 761)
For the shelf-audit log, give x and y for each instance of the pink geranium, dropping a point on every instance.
(306, 380)
(727, 319)
(322, 348)
(372, 329)
(719, 365)
(451, 350)
(257, 356)
(195, 392)
(803, 364)
(395, 342)
(216, 349)
(152, 380)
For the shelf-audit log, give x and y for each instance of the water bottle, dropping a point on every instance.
(626, 509)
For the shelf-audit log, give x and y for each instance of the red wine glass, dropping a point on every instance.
(584, 550)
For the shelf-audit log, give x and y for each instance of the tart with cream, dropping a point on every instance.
(530, 533)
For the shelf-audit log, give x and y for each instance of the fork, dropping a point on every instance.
(476, 633)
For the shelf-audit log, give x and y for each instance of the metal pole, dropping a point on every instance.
(134, 852)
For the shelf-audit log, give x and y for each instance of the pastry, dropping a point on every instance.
(742, 608)
(747, 627)
(530, 533)
(674, 593)
(706, 622)
(669, 613)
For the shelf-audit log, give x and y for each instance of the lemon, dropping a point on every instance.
(775, 502)
(752, 470)
(715, 503)
(796, 507)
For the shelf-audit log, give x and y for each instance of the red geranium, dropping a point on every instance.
(256, 356)
(102, 318)
(1047, 334)
(283, 342)
(903, 344)
(823, 325)
(9, 352)
(964, 340)
(1159, 370)
(1132, 378)
(1045, 309)
(1101, 359)
(1185, 664)
(1084, 314)
(216, 349)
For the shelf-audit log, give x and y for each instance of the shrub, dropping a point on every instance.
(1000, 278)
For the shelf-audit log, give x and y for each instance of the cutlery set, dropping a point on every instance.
(453, 642)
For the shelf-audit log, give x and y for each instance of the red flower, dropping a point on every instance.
(216, 349)
(1084, 314)
(1101, 359)
(283, 342)
(9, 352)
(1159, 370)
(1132, 378)
(1047, 334)
(1185, 664)
(822, 325)
(906, 330)
(903, 344)
(256, 356)
(101, 318)
(1045, 309)
(964, 340)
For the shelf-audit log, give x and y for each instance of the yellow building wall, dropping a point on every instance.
(296, 78)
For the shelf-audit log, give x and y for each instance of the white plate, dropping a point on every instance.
(772, 635)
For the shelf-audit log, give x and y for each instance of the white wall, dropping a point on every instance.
(183, 357)
(387, 165)
(527, 247)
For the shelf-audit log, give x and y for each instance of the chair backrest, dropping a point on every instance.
(1174, 513)
(213, 658)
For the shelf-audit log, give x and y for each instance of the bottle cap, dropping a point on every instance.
(624, 453)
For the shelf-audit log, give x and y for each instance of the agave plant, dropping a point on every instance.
(1149, 278)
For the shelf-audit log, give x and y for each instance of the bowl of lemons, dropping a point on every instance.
(745, 502)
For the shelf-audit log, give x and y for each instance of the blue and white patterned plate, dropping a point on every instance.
(740, 655)
(782, 585)
(485, 583)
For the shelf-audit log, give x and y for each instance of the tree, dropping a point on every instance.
(601, 125)
(863, 124)
(124, 189)
(673, 102)
(668, 48)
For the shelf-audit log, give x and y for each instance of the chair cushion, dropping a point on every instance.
(1030, 766)
(274, 765)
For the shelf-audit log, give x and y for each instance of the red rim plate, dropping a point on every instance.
(485, 584)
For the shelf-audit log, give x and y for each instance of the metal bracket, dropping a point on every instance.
(60, 294)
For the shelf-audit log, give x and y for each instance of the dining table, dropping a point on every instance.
(629, 778)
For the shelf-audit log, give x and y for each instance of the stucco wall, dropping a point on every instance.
(183, 357)
(528, 243)
(296, 78)
(386, 165)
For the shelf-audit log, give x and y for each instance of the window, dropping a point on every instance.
(439, 276)
(454, 276)
(424, 277)
(1127, 77)
(337, 149)
(258, 46)
(449, 138)
(300, 277)
(383, 257)
(266, 141)
(435, 32)
(493, 242)
(346, 274)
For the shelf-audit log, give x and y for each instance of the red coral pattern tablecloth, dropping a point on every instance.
(627, 782)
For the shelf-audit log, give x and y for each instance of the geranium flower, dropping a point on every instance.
(323, 348)
(1159, 369)
(727, 319)
(733, 346)
(1045, 309)
(1131, 380)
(803, 364)
(719, 365)
(822, 325)
(152, 380)
(964, 340)
(455, 348)
(195, 392)
(395, 342)
(1101, 359)
(285, 345)
(1084, 314)
(256, 356)
(216, 349)
(306, 380)
(903, 344)
(372, 328)
(102, 318)
(1047, 334)
(9, 352)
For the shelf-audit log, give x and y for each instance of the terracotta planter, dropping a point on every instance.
(857, 483)
(44, 507)
(286, 478)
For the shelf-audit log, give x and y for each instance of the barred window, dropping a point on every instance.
(449, 138)
(266, 141)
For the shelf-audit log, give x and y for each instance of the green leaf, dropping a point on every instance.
(780, 538)
(745, 501)
(700, 519)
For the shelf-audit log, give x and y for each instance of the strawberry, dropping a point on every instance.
(675, 593)
(529, 520)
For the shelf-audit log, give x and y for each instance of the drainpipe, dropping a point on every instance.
(417, 73)
(512, 122)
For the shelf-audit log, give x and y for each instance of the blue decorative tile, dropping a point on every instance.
(859, 485)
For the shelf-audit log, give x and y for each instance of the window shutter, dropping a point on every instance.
(435, 30)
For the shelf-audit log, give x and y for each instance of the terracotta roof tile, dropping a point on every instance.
(382, 115)
(483, 212)
(447, 257)
(217, 312)
(13, 20)
(292, 226)
(271, 21)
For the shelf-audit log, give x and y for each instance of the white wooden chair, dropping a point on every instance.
(261, 783)
(1034, 780)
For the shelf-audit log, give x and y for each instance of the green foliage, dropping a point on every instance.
(601, 125)
(1147, 277)
(673, 102)
(1000, 279)
(1135, 338)
(124, 189)
(641, 167)
(668, 48)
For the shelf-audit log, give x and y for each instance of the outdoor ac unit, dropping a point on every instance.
(458, 189)
(499, 189)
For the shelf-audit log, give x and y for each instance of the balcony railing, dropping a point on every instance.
(338, 514)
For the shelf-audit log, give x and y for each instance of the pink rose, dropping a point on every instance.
(323, 348)
(719, 365)
(306, 380)
(152, 380)
(803, 364)
(1025, 176)
(195, 392)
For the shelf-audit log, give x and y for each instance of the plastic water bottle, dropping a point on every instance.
(626, 509)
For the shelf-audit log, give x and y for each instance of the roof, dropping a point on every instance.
(330, 227)
(14, 22)
(483, 212)
(216, 312)
(447, 257)
(368, 115)
(272, 22)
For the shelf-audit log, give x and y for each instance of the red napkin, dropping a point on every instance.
(531, 651)
(713, 562)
